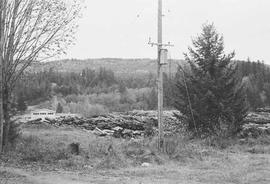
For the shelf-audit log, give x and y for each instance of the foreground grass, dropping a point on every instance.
(42, 155)
(237, 168)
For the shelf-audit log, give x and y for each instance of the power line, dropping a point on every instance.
(189, 100)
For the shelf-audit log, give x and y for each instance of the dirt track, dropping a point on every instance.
(237, 168)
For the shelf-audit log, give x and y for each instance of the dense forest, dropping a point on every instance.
(101, 91)
(256, 79)
(89, 92)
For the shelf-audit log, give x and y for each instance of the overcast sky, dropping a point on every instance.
(121, 28)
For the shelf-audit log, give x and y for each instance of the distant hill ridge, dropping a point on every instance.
(118, 65)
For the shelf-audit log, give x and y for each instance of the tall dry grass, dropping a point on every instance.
(50, 145)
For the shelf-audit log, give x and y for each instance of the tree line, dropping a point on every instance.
(38, 87)
(126, 93)
(254, 75)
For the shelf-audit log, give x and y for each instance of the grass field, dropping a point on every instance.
(42, 156)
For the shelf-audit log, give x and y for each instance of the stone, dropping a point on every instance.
(117, 128)
(145, 164)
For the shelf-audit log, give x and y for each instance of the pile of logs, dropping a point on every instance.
(257, 123)
(145, 123)
(128, 124)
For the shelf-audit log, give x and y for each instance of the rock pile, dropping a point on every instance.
(257, 123)
(129, 124)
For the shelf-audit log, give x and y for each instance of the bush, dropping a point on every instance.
(130, 99)
(109, 100)
(59, 108)
(13, 134)
(74, 161)
(220, 142)
(74, 98)
(181, 149)
(33, 149)
(98, 148)
(141, 151)
(260, 145)
(113, 160)
(86, 109)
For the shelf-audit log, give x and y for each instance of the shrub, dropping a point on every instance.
(113, 160)
(33, 149)
(87, 109)
(181, 149)
(220, 142)
(59, 108)
(109, 100)
(98, 148)
(13, 134)
(74, 161)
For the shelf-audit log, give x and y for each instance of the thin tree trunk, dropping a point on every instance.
(1, 101)
(6, 87)
(6, 114)
(1, 74)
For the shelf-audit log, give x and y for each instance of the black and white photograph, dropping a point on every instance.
(134, 92)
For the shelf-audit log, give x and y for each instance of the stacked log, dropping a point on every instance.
(145, 123)
(257, 123)
(121, 125)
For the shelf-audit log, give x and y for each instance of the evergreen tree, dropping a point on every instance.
(59, 108)
(210, 96)
(152, 99)
(168, 89)
(122, 88)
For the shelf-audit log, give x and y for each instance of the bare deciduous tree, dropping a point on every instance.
(31, 31)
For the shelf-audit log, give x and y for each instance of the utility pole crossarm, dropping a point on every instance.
(159, 44)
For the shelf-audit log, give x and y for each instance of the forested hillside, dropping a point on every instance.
(118, 65)
(256, 79)
(106, 88)
(90, 91)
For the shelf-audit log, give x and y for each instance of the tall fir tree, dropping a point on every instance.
(210, 94)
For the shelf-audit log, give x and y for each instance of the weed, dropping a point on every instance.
(34, 149)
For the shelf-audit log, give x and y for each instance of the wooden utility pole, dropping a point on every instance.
(1, 75)
(1, 100)
(161, 60)
(160, 78)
